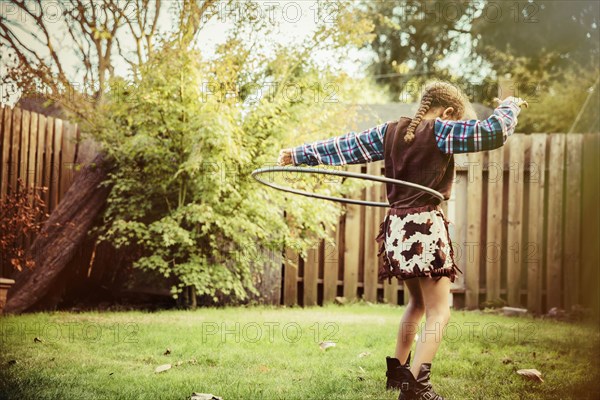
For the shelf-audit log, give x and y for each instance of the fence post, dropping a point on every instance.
(352, 246)
(472, 249)
(590, 231)
(371, 228)
(571, 255)
(493, 251)
(555, 221)
(535, 228)
(515, 216)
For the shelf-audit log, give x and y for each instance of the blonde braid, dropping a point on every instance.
(438, 94)
(423, 108)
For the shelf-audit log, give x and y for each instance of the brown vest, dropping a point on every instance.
(419, 161)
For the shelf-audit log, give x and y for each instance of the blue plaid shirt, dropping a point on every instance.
(451, 136)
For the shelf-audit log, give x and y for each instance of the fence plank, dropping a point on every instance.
(535, 229)
(24, 148)
(67, 164)
(457, 213)
(311, 276)
(16, 142)
(494, 224)
(590, 230)
(331, 266)
(473, 248)
(290, 276)
(352, 246)
(31, 163)
(6, 147)
(555, 224)
(55, 169)
(571, 254)
(515, 218)
(390, 290)
(372, 228)
(48, 160)
(41, 141)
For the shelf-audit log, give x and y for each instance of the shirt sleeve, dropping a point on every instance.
(350, 148)
(470, 136)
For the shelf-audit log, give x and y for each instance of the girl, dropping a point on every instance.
(413, 237)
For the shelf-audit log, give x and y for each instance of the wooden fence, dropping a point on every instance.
(39, 150)
(525, 219)
(524, 224)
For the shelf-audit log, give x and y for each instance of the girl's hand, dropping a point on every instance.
(285, 157)
(520, 102)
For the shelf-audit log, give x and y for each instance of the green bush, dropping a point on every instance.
(183, 149)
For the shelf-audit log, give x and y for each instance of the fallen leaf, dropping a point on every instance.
(162, 368)
(263, 368)
(340, 300)
(204, 396)
(507, 360)
(364, 354)
(509, 311)
(326, 345)
(37, 340)
(532, 374)
(361, 370)
(167, 352)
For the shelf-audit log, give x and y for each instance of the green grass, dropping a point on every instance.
(112, 355)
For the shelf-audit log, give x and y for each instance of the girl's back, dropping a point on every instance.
(419, 161)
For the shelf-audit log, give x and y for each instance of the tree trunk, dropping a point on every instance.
(61, 235)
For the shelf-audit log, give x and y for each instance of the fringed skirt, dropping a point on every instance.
(416, 242)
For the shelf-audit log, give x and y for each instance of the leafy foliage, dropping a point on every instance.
(569, 103)
(22, 214)
(550, 35)
(412, 37)
(550, 51)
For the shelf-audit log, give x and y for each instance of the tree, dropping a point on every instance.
(39, 39)
(550, 35)
(412, 37)
(551, 50)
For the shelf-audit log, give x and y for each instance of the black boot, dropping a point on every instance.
(396, 372)
(420, 388)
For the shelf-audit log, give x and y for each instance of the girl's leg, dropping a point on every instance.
(437, 314)
(409, 325)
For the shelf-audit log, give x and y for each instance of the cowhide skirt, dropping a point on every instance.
(415, 242)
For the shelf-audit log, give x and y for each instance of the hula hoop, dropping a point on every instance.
(348, 174)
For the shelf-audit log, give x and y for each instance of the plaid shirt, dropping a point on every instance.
(451, 136)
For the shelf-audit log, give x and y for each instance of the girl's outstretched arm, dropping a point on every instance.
(350, 148)
(473, 135)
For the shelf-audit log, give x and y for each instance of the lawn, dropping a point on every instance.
(275, 353)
